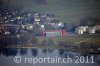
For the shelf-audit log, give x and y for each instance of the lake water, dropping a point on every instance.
(8, 57)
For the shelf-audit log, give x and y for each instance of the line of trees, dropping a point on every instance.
(8, 40)
(86, 21)
(90, 21)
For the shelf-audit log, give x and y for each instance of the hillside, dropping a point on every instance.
(70, 11)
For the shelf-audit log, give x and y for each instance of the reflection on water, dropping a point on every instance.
(33, 52)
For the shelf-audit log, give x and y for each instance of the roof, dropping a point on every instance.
(53, 30)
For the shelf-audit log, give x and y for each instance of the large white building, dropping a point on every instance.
(81, 29)
(90, 30)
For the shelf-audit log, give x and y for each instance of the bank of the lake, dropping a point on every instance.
(77, 43)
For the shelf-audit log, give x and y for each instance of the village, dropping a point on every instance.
(50, 32)
(43, 24)
(16, 21)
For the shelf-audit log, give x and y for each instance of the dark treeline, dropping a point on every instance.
(26, 39)
(86, 21)
(90, 21)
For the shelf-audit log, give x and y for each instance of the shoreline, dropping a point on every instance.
(70, 43)
(54, 47)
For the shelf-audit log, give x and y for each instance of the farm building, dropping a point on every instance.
(89, 30)
(54, 33)
(81, 29)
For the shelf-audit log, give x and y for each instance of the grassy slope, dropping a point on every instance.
(94, 39)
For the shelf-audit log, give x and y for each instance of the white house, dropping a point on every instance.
(81, 29)
(37, 19)
(91, 30)
(59, 25)
(42, 27)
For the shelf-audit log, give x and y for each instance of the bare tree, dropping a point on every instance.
(90, 21)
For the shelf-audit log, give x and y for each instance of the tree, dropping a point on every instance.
(90, 21)
(34, 40)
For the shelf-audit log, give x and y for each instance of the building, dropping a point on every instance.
(10, 28)
(91, 30)
(54, 33)
(81, 29)
(86, 29)
(59, 25)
